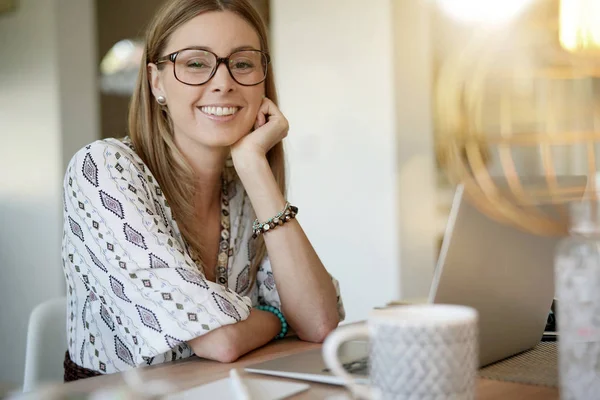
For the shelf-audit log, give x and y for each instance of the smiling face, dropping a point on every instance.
(221, 111)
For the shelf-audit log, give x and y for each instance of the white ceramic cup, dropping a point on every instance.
(427, 351)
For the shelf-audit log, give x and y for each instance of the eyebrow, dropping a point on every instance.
(239, 48)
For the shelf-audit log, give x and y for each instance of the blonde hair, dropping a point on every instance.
(150, 127)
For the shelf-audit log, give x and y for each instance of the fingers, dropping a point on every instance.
(270, 113)
(261, 118)
(266, 109)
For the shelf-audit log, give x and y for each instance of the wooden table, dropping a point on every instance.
(195, 371)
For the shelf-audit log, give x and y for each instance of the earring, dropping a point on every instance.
(161, 100)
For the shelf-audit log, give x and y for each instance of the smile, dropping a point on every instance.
(219, 111)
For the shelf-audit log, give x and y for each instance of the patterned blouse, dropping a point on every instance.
(135, 295)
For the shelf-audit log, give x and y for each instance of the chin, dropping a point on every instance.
(219, 137)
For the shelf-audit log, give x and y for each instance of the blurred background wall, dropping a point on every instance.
(48, 109)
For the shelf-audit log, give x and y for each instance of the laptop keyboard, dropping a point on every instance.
(357, 367)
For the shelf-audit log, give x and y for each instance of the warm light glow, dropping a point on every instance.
(580, 25)
(119, 67)
(486, 11)
(124, 54)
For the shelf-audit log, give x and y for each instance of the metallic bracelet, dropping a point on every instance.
(289, 212)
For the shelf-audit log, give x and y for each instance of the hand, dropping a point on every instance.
(270, 128)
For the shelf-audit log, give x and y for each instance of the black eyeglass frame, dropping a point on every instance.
(172, 57)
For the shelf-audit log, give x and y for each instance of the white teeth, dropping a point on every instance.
(219, 111)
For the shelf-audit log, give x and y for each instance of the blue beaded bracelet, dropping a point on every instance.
(284, 325)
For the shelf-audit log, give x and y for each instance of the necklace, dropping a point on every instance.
(221, 275)
(223, 257)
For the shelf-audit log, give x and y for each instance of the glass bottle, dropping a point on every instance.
(577, 281)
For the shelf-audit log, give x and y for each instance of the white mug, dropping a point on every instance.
(427, 351)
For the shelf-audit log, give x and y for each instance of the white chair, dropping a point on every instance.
(46, 344)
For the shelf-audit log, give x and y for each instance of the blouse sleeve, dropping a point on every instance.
(267, 290)
(124, 245)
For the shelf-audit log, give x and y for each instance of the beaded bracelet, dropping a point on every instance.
(284, 325)
(289, 212)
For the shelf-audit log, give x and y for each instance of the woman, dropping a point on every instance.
(162, 253)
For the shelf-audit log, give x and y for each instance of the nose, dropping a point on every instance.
(222, 81)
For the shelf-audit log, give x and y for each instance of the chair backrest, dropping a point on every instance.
(46, 344)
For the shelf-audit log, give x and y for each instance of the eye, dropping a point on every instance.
(196, 64)
(196, 60)
(242, 65)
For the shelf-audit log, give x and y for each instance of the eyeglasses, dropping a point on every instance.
(195, 67)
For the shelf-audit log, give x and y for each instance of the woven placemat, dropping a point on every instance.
(538, 366)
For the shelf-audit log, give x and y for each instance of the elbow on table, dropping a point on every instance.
(222, 350)
(227, 354)
(321, 332)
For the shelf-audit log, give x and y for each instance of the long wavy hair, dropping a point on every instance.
(150, 126)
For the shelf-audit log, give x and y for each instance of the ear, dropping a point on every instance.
(155, 80)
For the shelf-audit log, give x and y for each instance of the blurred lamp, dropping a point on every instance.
(580, 25)
(119, 67)
(516, 112)
(484, 11)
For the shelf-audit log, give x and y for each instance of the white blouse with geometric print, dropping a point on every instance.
(134, 294)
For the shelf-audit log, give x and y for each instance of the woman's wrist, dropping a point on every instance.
(282, 217)
(263, 325)
(245, 160)
(277, 313)
(273, 321)
(260, 185)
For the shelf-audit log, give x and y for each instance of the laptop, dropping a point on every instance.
(507, 275)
